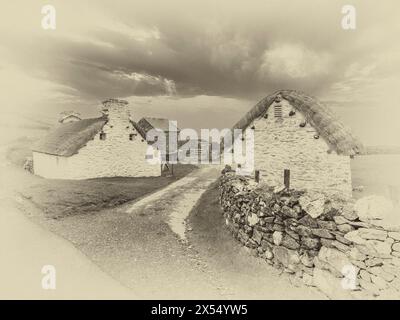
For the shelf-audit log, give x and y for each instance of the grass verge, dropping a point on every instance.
(59, 198)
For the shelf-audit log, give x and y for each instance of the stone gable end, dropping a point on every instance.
(281, 143)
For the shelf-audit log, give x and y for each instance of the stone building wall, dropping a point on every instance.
(280, 143)
(326, 242)
(116, 156)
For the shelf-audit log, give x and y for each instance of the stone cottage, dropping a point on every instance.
(170, 131)
(296, 132)
(165, 125)
(112, 145)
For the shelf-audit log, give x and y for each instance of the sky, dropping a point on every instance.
(202, 63)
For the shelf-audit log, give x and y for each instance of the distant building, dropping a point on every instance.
(69, 116)
(296, 132)
(199, 152)
(165, 125)
(168, 128)
(112, 145)
(199, 149)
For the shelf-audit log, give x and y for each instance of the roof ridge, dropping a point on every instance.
(66, 139)
(320, 116)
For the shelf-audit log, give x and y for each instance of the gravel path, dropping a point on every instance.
(142, 244)
(26, 247)
(177, 200)
(243, 275)
(154, 248)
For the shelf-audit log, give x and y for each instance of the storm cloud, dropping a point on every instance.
(226, 49)
(223, 48)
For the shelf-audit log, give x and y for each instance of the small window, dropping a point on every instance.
(132, 136)
(102, 136)
(278, 111)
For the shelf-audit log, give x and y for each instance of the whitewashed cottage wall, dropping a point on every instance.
(116, 156)
(282, 144)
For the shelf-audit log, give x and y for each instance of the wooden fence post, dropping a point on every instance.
(257, 175)
(286, 178)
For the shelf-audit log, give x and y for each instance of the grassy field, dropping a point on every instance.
(60, 198)
(378, 174)
(19, 150)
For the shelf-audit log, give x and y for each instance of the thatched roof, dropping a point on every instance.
(317, 114)
(143, 126)
(148, 123)
(67, 138)
(139, 129)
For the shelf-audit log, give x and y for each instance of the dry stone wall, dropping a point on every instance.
(318, 239)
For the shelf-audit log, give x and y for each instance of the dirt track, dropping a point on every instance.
(26, 247)
(139, 246)
(144, 249)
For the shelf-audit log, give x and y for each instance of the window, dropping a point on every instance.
(132, 136)
(102, 136)
(278, 111)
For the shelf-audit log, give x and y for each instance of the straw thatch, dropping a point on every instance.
(148, 123)
(144, 125)
(318, 115)
(142, 131)
(66, 139)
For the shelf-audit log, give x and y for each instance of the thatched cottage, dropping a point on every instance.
(165, 126)
(112, 145)
(296, 132)
(198, 147)
(162, 124)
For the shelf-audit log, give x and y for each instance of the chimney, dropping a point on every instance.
(116, 110)
(69, 116)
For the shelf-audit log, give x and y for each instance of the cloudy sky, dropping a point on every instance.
(204, 63)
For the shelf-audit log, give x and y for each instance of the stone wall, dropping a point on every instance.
(331, 243)
(281, 143)
(116, 156)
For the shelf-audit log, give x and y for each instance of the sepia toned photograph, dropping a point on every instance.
(226, 151)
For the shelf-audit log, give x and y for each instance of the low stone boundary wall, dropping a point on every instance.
(317, 238)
